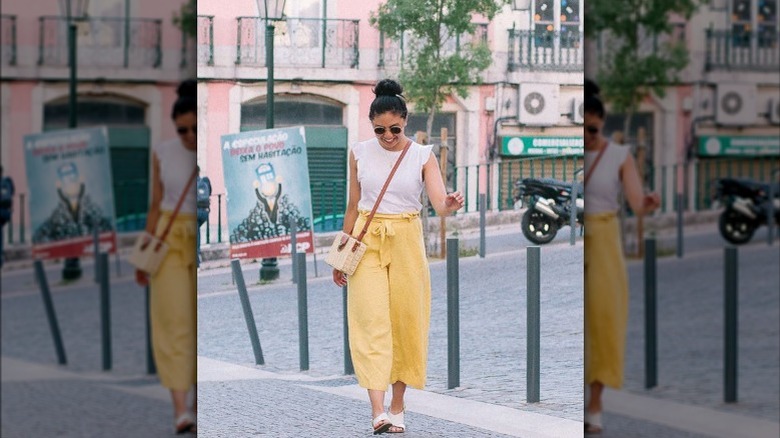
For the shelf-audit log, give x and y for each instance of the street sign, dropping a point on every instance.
(523, 146)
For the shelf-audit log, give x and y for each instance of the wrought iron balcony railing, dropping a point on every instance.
(8, 39)
(546, 50)
(392, 52)
(102, 42)
(205, 40)
(754, 51)
(299, 42)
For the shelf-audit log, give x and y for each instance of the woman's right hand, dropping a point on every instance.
(142, 278)
(339, 278)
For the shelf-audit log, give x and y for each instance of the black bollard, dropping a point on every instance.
(235, 264)
(651, 344)
(730, 316)
(349, 368)
(51, 315)
(532, 324)
(453, 314)
(303, 314)
(105, 309)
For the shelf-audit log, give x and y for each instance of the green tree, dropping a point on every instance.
(435, 65)
(639, 55)
(438, 61)
(187, 18)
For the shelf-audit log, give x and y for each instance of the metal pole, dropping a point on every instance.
(235, 264)
(11, 230)
(150, 366)
(51, 315)
(482, 212)
(21, 217)
(219, 218)
(293, 246)
(96, 249)
(105, 309)
(269, 269)
(651, 345)
(573, 212)
(348, 366)
(532, 323)
(303, 316)
(770, 214)
(72, 268)
(208, 229)
(453, 315)
(730, 310)
(679, 225)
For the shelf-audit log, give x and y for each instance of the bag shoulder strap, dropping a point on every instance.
(178, 205)
(595, 163)
(382, 193)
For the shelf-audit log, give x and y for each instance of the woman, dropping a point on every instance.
(389, 293)
(610, 169)
(173, 288)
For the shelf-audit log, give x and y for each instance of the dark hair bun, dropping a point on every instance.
(388, 87)
(188, 88)
(591, 89)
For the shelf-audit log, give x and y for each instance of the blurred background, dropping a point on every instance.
(77, 363)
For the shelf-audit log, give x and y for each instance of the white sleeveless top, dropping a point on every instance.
(176, 166)
(604, 185)
(374, 164)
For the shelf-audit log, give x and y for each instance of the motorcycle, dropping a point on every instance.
(549, 206)
(747, 205)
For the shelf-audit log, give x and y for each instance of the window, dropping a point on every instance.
(557, 20)
(754, 19)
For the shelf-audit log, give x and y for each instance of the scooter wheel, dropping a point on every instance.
(538, 227)
(736, 227)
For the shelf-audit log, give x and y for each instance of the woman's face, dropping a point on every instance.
(386, 123)
(187, 128)
(593, 127)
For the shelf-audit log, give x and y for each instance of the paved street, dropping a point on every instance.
(238, 398)
(492, 298)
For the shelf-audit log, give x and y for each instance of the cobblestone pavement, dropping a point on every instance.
(690, 315)
(79, 399)
(492, 318)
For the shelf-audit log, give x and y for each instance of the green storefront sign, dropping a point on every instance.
(522, 146)
(742, 146)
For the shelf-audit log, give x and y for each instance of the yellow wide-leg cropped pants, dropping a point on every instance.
(173, 305)
(606, 300)
(389, 303)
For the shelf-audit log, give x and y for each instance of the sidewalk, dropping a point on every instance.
(240, 401)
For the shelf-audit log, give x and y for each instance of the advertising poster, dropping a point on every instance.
(71, 194)
(267, 184)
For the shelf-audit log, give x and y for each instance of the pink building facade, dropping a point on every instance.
(327, 58)
(131, 58)
(723, 119)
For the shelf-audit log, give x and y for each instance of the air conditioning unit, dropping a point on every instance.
(577, 110)
(736, 104)
(538, 104)
(774, 111)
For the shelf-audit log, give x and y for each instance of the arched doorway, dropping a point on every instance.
(128, 138)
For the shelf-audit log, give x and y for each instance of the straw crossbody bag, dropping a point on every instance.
(346, 251)
(149, 250)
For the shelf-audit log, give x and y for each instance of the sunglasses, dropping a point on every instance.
(592, 129)
(395, 130)
(182, 130)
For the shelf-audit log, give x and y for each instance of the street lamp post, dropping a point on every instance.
(72, 267)
(274, 11)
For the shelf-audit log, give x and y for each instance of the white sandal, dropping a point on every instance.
(381, 423)
(593, 423)
(397, 420)
(185, 423)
